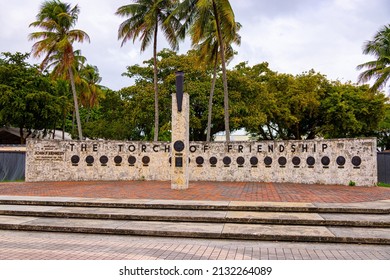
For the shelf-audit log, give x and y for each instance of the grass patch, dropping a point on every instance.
(12, 181)
(383, 185)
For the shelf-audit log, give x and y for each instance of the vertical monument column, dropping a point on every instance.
(180, 136)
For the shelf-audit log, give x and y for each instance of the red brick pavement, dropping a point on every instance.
(226, 191)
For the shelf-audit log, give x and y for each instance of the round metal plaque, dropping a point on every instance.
(356, 161)
(178, 146)
(310, 161)
(118, 159)
(132, 160)
(325, 160)
(268, 160)
(254, 160)
(282, 161)
(145, 160)
(296, 161)
(213, 160)
(199, 160)
(75, 159)
(240, 160)
(227, 160)
(103, 159)
(340, 160)
(89, 159)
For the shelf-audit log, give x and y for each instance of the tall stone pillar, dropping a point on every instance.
(180, 136)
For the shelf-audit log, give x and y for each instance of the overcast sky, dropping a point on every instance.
(293, 36)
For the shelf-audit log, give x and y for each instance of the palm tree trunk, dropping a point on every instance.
(208, 137)
(76, 104)
(156, 119)
(224, 78)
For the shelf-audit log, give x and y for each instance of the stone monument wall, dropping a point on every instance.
(337, 161)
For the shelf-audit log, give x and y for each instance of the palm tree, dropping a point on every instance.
(90, 90)
(207, 45)
(378, 69)
(56, 42)
(144, 17)
(202, 13)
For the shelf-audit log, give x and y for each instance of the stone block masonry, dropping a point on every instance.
(336, 161)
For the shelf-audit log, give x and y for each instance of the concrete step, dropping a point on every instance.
(366, 223)
(376, 207)
(200, 230)
(209, 216)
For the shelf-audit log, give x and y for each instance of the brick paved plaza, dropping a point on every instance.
(222, 191)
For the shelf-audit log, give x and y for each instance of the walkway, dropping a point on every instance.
(60, 246)
(221, 191)
(41, 245)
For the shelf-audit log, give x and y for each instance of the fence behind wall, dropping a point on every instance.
(12, 166)
(384, 167)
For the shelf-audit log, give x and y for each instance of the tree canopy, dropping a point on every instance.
(267, 104)
(29, 100)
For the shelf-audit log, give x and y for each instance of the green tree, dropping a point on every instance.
(379, 69)
(28, 98)
(351, 111)
(90, 90)
(57, 20)
(144, 18)
(204, 15)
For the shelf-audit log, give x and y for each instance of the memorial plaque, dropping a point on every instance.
(103, 160)
(227, 160)
(310, 161)
(213, 160)
(356, 161)
(178, 162)
(325, 160)
(199, 160)
(254, 161)
(49, 153)
(340, 160)
(75, 160)
(282, 161)
(132, 160)
(118, 160)
(145, 160)
(89, 160)
(296, 161)
(268, 161)
(240, 161)
(178, 146)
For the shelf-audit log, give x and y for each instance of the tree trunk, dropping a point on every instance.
(211, 102)
(224, 78)
(156, 119)
(22, 139)
(76, 104)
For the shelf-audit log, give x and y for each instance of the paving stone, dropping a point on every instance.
(360, 232)
(273, 215)
(297, 233)
(180, 228)
(13, 220)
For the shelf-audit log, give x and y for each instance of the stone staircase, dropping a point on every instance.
(365, 223)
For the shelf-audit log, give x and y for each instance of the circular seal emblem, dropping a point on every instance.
(178, 146)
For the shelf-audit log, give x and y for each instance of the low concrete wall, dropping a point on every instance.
(336, 161)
